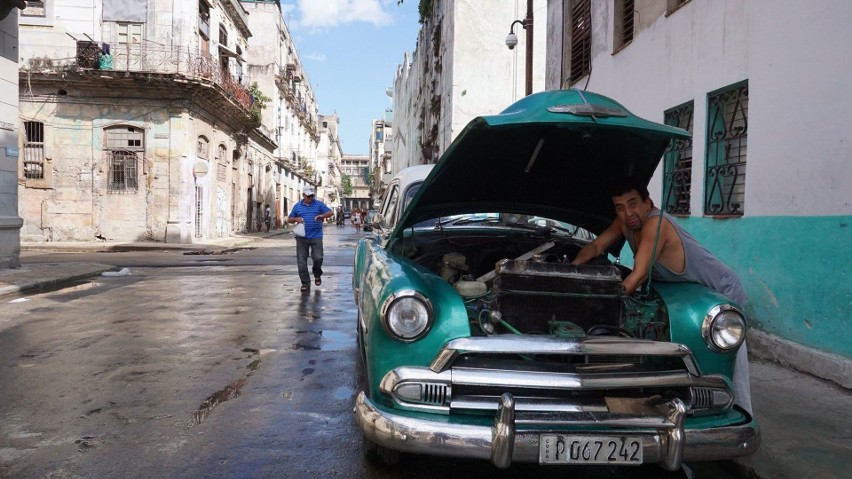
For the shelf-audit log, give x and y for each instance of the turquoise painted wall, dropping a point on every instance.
(795, 270)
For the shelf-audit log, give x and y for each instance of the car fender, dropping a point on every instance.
(384, 277)
(688, 305)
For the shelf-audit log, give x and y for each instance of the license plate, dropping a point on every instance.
(562, 449)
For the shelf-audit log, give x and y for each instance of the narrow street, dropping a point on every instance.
(201, 366)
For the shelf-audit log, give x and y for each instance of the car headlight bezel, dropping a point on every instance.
(715, 320)
(398, 300)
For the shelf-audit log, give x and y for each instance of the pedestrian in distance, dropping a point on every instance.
(267, 218)
(356, 219)
(311, 213)
(678, 257)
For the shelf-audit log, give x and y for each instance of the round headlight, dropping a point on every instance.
(724, 328)
(407, 315)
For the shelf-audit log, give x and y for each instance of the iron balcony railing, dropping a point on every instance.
(150, 57)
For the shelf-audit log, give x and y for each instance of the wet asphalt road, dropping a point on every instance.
(203, 366)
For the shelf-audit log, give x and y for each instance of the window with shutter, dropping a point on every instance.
(581, 39)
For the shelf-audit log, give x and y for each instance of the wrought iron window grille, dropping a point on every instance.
(726, 153)
(677, 166)
(33, 150)
(124, 148)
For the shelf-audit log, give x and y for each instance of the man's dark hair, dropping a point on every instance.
(624, 185)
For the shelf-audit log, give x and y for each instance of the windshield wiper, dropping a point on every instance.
(528, 226)
(464, 221)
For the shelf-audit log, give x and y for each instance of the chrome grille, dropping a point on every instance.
(435, 394)
(529, 294)
(701, 397)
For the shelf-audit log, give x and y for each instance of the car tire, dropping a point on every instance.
(375, 452)
(388, 456)
(369, 448)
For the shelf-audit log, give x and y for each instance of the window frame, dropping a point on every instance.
(126, 27)
(621, 24)
(33, 151)
(123, 160)
(580, 51)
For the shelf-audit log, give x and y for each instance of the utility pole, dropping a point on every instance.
(528, 26)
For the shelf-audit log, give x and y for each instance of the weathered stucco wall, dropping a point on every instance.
(10, 222)
(74, 202)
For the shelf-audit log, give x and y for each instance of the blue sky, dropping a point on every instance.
(350, 50)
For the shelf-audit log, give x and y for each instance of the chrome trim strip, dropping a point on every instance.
(526, 404)
(526, 344)
(442, 437)
(531, 380)
(567, 381)
(540, 419)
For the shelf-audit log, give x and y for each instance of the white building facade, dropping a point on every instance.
(766, 181)
(381, 156)
(357, 169)
(291, 117)
(461, 69)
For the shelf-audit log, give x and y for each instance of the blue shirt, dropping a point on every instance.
(313, 228)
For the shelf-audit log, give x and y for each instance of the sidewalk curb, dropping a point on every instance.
(788, 354)
(33, 285)
(228, 243)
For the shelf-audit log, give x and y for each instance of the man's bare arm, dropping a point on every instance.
(642, 257)
(594, 249)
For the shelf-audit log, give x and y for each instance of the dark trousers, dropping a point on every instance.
(313, 247)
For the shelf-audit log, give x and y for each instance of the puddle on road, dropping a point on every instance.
(230, 391)
(211, 252)
(326, 340)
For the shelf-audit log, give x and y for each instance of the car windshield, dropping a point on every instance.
(508, 220)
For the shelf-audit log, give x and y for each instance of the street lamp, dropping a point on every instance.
(512, 41)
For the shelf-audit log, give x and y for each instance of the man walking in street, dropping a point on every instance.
(267, 217)
(678, 257)
(311, 213)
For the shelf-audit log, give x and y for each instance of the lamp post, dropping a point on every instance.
(512, 40)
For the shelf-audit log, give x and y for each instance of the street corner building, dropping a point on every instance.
(152, 124)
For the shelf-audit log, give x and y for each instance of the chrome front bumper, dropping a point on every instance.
(668, 445)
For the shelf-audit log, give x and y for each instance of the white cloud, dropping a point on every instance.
(330, 13)
(316, 56)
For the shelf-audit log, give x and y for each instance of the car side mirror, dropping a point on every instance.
(378, 221)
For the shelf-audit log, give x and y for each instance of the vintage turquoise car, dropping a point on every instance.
(480, 340)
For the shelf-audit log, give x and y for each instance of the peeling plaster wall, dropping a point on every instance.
(75, 204)
(10, 222)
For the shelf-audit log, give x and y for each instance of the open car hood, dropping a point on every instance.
(552, 154)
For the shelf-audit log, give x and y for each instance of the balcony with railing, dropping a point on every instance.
(159, 65)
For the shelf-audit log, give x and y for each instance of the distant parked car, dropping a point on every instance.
(368, 220)
(481, 340)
